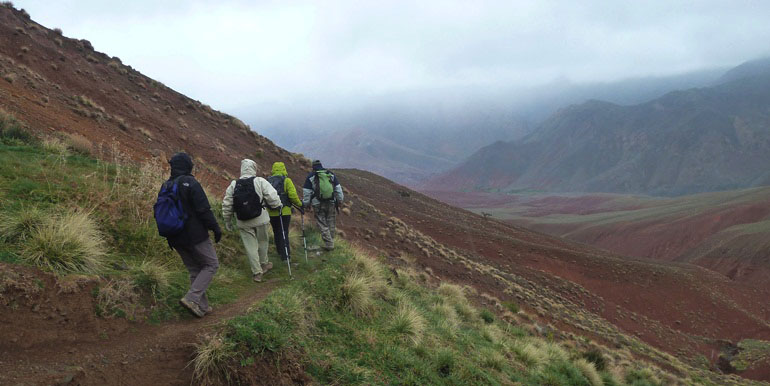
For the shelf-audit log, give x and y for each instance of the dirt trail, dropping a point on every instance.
(141, 354)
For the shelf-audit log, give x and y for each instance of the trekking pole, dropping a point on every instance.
(304, 240)
(285, 241)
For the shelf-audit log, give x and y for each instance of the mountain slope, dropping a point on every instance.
(696, 140)
(374, 153)
(654, 311)
(726, 232)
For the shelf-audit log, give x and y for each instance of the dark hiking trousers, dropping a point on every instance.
(202, 263)
(275, 222)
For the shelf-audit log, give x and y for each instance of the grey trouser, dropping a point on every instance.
(202, 263)
(255, 241)
(326, 216)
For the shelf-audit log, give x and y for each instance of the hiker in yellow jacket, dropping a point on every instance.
(280, 220)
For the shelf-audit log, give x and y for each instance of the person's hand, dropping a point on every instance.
(217, 235)
(229, 226)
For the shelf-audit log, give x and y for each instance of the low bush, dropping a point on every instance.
(21, 224)
(487, 316)
(408, 323)
(151, 276)
(66, 243)
(356, 294)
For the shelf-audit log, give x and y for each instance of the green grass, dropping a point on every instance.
(44, 192)
(412, 334)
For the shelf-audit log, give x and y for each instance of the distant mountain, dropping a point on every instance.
(441, 124)
(696, 140)
(373, 153)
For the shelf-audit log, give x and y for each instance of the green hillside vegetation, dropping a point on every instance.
(358, 322)
(68, 213)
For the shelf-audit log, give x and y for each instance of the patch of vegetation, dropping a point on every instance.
(71, 214)
(410, 334)
(752, 351)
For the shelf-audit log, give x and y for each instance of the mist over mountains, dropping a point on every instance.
(412, 135)
(687, 141)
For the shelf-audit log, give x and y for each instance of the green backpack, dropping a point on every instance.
(324, 189)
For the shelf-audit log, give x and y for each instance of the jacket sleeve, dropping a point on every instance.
(269, 195)
(202, 208)
(227, 202)
(307, 191)
(339, 196)
(288, 185)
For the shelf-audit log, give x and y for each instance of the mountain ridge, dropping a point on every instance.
(687, 141)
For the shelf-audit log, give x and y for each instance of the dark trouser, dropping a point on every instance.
(326, 217)
(281, 238)
(202, 263)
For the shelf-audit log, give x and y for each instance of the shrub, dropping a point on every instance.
(65, 244)
(511, 306)
(445, 361)
(408, 323)
(9, 77)
(487, 316)
(641, 377)
(151, 276)
(19, 225)
(11, 130)
(212, 359)
(558, 373)
(78, 143)
(596, 357)
(530, 354)
(589, 371)
(7, 4)
(493, 359)
(356, 294)
(55, 146)
(58, 31)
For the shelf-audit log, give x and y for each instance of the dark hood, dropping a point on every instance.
(181, 164)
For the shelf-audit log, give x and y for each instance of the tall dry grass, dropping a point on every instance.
(66, 243)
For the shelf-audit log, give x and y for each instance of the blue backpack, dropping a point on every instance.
(169, 213)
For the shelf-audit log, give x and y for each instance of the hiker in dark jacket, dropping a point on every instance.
(193, 243)
(325, 210)
(281, 218)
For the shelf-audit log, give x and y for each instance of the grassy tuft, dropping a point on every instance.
(356, 294)
(66, 244)
(19, 225)
(284, 317)
(212, 360)
(589, 371)
(151, 276)
(408, 323)
(487, 316)
(11, 130)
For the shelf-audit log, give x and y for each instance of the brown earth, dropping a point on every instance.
(678, 309)
(51, 335)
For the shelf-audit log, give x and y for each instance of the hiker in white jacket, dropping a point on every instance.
(254, 231)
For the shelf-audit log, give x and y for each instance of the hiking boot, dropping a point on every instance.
(257, 277)
(266, 267)
(207, 310)
(192, 307)
(328, 248)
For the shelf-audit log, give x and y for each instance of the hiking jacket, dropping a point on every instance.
(279, 169)
(264, 190)
(200, 219)
(308, 189)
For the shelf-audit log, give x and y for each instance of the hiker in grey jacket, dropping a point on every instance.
(254, 232)
(325, 211)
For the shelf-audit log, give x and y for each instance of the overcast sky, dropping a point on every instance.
(231, 54)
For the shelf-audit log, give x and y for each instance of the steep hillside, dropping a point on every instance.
(59, 84)
(676, 316)
(723, 231)
(689, 141)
